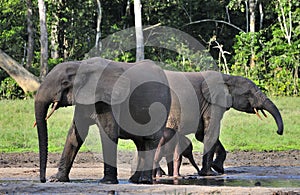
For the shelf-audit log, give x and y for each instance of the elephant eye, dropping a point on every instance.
(65, 83)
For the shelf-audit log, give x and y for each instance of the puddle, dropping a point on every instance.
(234, 177)
(233, 182)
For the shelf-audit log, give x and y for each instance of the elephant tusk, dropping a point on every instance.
(265, 115)
(257, 114)
(52, 110)
(50, 113)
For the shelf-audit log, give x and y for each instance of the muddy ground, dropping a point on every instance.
(245, 173)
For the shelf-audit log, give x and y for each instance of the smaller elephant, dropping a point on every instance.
(169, 148)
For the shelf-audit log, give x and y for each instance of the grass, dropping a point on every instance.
(240, 131)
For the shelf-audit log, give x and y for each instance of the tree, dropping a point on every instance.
(43, 39)
(30, 31)
(98, 33)
(54, 23)
(138, 30)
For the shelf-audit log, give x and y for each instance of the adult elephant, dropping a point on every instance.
(127, 100)
(199, 100)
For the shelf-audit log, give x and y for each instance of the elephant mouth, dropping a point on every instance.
(258, 115)
(54, 107)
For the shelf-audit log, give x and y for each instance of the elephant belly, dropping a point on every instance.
(173, 120)
(185, 122)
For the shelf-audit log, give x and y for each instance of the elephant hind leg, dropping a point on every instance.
(145, 167)
(137, 173)
(109, 138)
(188, 153)
(211, 137)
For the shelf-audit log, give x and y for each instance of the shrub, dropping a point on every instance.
(9, 89)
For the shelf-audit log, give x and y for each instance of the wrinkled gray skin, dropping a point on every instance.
(69, 84)
(167, 148)
(215, 93)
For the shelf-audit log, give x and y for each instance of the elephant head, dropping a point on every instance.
(239, 93)
(56, 89)
(73, 83)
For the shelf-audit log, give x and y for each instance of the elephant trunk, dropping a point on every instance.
(273, 110)
(41, 109)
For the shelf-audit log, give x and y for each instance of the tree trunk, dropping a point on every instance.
(138, 30)
(252, 5)
(261, 15)
(127, 14)
(27, 81)
(98, 45)
(247, 15)
(54, 33)
(43, 39)
(61, 35)
(30, 32)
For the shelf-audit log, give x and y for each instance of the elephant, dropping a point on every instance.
(199, 100)
(167, 148)
(125, 100)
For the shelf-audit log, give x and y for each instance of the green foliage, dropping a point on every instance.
(9, 89)
(276, 52)
(276, 62)
(72, 30)
(13, 31)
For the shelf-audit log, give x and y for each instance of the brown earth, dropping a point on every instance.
(19, 172)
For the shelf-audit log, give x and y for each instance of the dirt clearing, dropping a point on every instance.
(245, 173)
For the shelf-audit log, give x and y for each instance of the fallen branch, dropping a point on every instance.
(27, 81)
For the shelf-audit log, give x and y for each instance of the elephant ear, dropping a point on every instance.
(215, 90)
(98, 80)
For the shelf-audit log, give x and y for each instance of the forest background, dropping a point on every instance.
(258, 39)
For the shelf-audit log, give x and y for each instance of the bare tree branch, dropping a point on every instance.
(217, 21)
(27, 81)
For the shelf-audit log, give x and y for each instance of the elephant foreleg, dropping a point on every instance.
(73, 143)
(157, 158)
(177, 160)
(170, 164)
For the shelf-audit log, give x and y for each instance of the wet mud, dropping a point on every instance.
(245, 173)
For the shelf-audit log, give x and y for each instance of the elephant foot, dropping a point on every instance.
(207, 173)
(58, 177)
(161, 172)
(109, 180)
(218, 167)
(145, 179)
(135, 177)
(141, 178)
